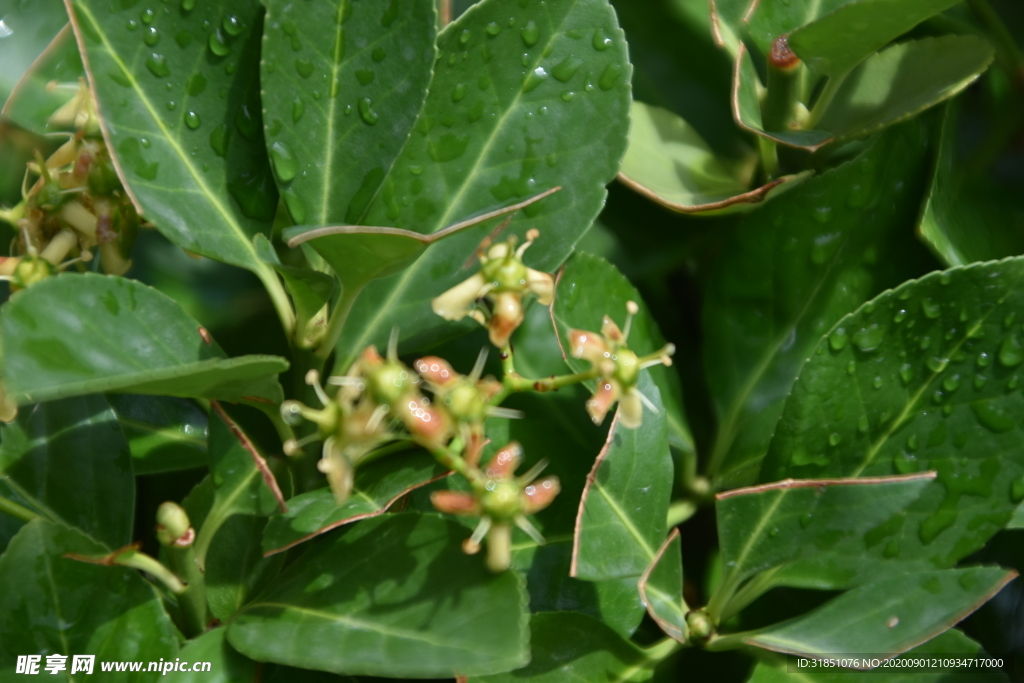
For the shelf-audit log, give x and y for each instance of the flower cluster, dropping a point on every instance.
(494, 295)
(75, 204)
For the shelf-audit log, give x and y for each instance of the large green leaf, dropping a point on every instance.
(661, 587)
(165, 434)
(668, 162)
(766, 526)
(952, 644)
(236, 570)
(621, 521)
(378, 486)
(794, 268)
(589, 288)
(443, 612)
(226, 665)
(28, 27)
(49, 83)
(76, 333)
(886, 617)
(178, 91)
(766, 21)
(68, 462)
(64, 606)
(342, 85)
(840, 40)
(505, 78)
(967, 218)
(573, 647)
(923, 377)
(904, 80)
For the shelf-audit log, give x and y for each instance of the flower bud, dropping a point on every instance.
(173, 525)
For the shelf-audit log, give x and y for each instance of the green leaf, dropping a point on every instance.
(669, 163)
(484, 139)
(226, 665)
(904, 80)
(840, 40)
(952, 643)
(746, 109)
(967, 218)
(68, 462)
(790, 271)
(764, 527)
(766, 21)
(590, 288)
(929, 375)
(134, 339)
(574, 647)
(165, 434)
(622, 513)
(310, 290)
(728, 23)
(28, 28)
(368, 68)
(182, 119)
(888, 616)
(64, 606)
(661, 588)
(378, 486)
(443, 611)
(49, 83)
(236, 570)
(243, 482)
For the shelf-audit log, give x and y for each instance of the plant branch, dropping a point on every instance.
(337, 322)
(282, 304)
(17, 511)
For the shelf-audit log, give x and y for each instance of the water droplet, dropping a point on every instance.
(823, 214)
(905, 463)
(157, 65)
(900, 315)
(979, 381)
(924, 342)
(298, 108)
(877, 382)
(858, 195)
(284, 161)
(1008, 320)
(304, 67)
(906, 373)
(183, 39)
(188, 5)
(774, 532)
(951, 383)
(892, 549)
(148, 16)
(248, 123)
(232, 25)
(365, 76)
(869, 338)
(862, 424)
(992, 416)
(912, 443)
(534, 78)
(192, 120)
(568, 95)
(1012, 383)
(610, 76)
(218, 44)
(296, 207)
(219, 138)
(838, 339)
(151, 36)
(530, 33)
(366, 112)
(567, 68)
(931, 308)
(131, 25)
(196, 85)
(936, 524)
(936, 364)
(171, 105)
(493, 28)
(464, 36)
(459, 92)
(834, 438)
(476, 112)
(1011, 353)
(416, 169)
(851, 367)
(378, 55)
(984, 360)
(601, 40)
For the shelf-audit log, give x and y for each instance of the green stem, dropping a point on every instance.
(721, 597)
(732, 641)
(282, 304)
(1010, 57)
(17, 511)
(337, 322)
(663, 649)
(680, 511)
(769, 157)
(828, 93)
(151, 566)
(754, 589)
(779, 109)
(455, 462)
(192, 600)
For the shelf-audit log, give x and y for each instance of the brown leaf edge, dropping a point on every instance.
(668, 628)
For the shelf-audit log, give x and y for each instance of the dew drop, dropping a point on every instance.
(931, 308)
(148, 16)
(774, 532)
(806, 519)
(877, 382)
(219, 138)
(1011, 353)
(157, 65)
(993, 417)
(892, 549)
(984, 360)
(823, 214)
(1012, 383)
(366, 111)
(131, 25)
(464, 36)
(298, 108)
(296, 207)
(567, 68)
(151, 36)
(534, 79)
(530, 33)
(416, 169)
(378, 55)
(188, 5)
(171, 105)
(838, 339)
(304, 67)
(906, 373)
(286, 164)
(862, 424)
(936, 364)
(905, 463)
(568, 95)
(979, 381)
(183, 39)
(192, 120)
(1008, 320)
(459, 92)
(951, 383)
(912, 443)
(601, 41)
(869, 338)
(610, 76)
(900, 315)
(195, 85)
(248, 124)
(492, 29)
(851, 367)
(1017, 490)
(218, 45)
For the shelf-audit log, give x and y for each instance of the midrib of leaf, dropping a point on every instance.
(218, 514)
(908, 407)
(755, 536)
(168, 433)
(255, 264)
(400, 286)
(329, 152)
(626, 521)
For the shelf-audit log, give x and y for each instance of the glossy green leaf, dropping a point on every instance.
(484, 139)
(669, 163)
(930, 376)
(766, 21)
(236, 570)
(621, 521)
(661, 587)
(49, 83)
(69, 607)
(443, 612)
(165, 434)
(226, 665)
(589, 288)
(27, 29)
(952, 643)
(309, 289)
(728, 23)
(133, 339)
(68, 462)
(967, 218)
(766, 526)
(840, 40)
(904, 80)
(243, 482)
(346, 81)
(378, 486)
(746, 109)
(790, 271)
(888, 616)
(573, 647)
(178, 93)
